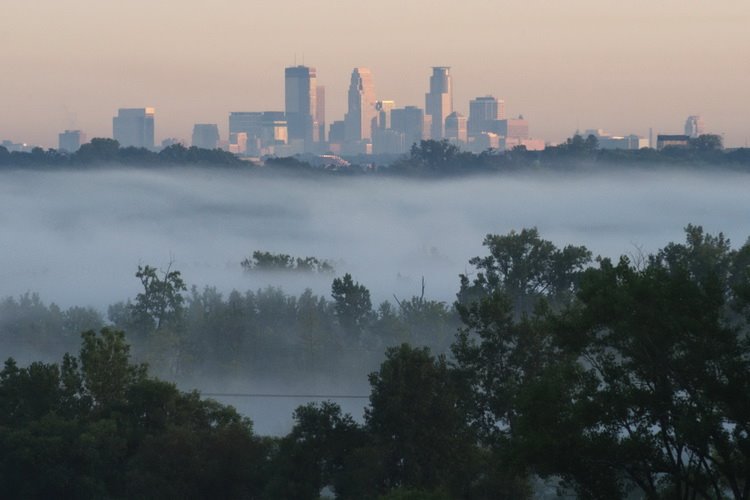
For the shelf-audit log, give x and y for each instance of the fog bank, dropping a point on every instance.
(77, 237)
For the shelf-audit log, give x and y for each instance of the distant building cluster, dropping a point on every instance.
(371, 125)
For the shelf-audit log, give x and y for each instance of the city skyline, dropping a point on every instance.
(564, 67)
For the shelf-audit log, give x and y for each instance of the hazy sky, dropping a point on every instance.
(621, 66)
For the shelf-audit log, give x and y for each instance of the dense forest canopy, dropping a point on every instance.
(617, 378)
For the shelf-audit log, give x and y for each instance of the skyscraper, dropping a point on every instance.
(409, 121)
(320, 112)
(383, 109)
(483, 115)
(300, 98)
(455, 127)
(694, 126)
(134, 127)
(361, 112)
(439, 100)
(206, 135)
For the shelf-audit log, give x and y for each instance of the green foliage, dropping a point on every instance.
(160, 303)
(105, 366)
(525, 268)
(98, 150)
(707, 142)
(267, 261)
(642, 376)
(352, 303)
(416, 422)
(316, 453)
(106, 430)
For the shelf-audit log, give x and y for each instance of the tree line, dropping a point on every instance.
(427, 158)
(101, 151)
(617, 378)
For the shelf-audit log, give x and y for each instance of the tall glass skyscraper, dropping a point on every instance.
(439, 100)
(300, 92)
(361, 113)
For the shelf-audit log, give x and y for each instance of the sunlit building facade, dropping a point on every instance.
(361, 114)
(439, 100)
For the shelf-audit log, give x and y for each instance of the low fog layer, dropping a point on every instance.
(77, 238)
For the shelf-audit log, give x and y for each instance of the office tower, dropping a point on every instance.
(300, 90)
(483, 115)
(245, 121)
(134, 127)
(206, 135)
(439, 100)
(361, 112)
(694, 126)
(517, 128)
(70, 141)
(263, 130)
(383, 109)
(410, 121)
(456, 128)
(320, 112)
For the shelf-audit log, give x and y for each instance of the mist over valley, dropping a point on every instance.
(77, 238)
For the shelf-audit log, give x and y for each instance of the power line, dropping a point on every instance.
(291, 396)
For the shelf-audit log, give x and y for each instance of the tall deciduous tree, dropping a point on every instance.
(352, 303)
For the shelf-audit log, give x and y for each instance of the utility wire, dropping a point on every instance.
(291, 396)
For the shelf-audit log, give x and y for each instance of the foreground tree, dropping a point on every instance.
(645, 376)
(98, 427)
(524, 268)
(352, 304)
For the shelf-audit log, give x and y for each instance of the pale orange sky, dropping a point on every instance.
(564, 64)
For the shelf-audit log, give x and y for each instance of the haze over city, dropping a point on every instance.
(564, 66)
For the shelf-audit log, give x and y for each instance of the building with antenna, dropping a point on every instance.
(361, 115)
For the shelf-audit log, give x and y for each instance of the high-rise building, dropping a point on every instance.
(134, 127)
(263, 130)
(456, 128)
(320, 112)
(361, 114)
(439, 100)
(206, 135)
(70, 140)
(383, 109)
(517, 128)
(300, 98)
(409, 121)
(694, 126)
(484, 112)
